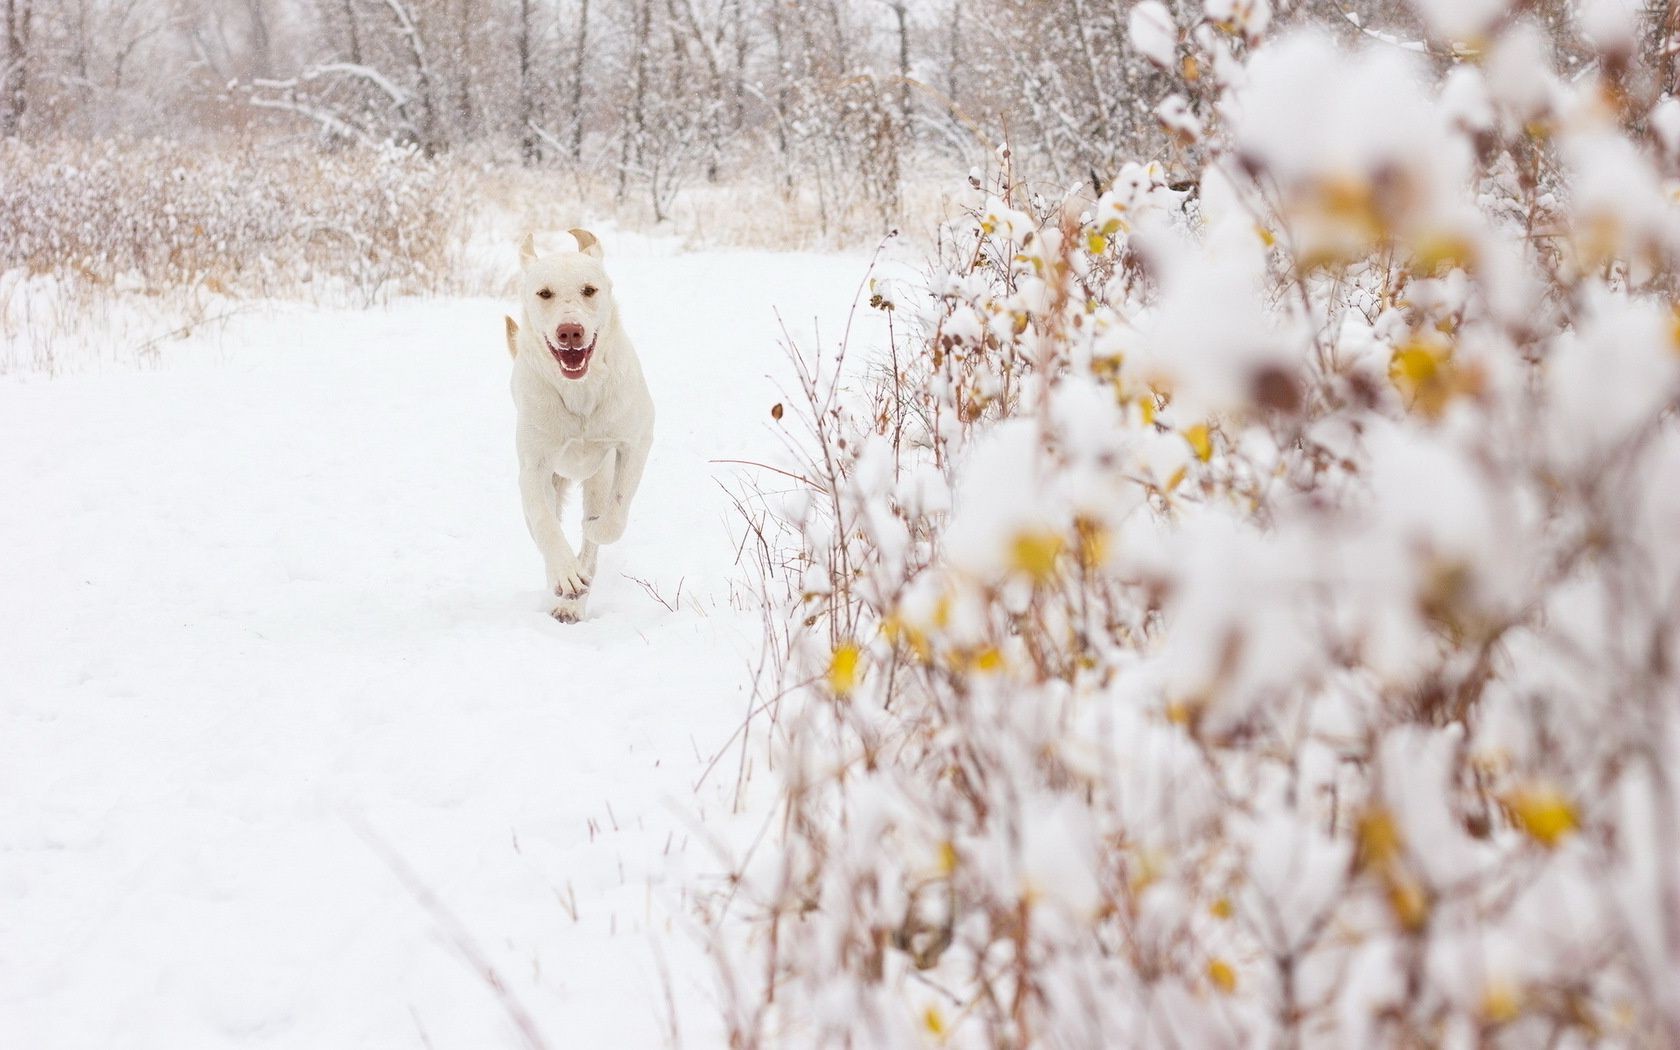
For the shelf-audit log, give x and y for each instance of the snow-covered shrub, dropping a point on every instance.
(261, 219)
(1249, 614)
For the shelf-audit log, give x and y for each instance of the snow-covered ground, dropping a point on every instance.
(270, 611)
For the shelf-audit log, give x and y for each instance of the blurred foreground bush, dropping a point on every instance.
(1248, 612)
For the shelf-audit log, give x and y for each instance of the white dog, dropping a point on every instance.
(584, 411)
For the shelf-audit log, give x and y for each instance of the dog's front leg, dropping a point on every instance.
(606, 523)
(566, 578)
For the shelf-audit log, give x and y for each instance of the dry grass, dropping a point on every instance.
(111, 248)
(739, 213)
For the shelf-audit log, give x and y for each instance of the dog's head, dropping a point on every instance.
(567, 301)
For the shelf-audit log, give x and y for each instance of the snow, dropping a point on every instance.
(1153, 33)
(1612, 26)
(1306, 108)
(1457, 20)
(272, 612)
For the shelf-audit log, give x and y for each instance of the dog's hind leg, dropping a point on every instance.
(597, 494)
(606, 516)
(598, 504)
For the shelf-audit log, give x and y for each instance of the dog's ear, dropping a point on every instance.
(528, 250)
(588, 243)
(512, 336)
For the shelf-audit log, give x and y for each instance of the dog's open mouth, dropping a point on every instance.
(574, 362)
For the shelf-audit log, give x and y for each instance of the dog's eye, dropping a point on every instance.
(589, 291)
(545, 293)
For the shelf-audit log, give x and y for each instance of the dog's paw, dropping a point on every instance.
(568, 610)
(571, 582)
(604, 528)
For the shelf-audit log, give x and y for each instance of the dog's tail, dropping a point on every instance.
(512, 336)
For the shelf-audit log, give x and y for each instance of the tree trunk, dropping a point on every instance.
(899, 9)
(743, 44)
(355, 32)
(635, 129)
(14, 68)
(1104, 131)
(426, 133)
(528, 146)
(262, 49)
(953, 54)
(463, 70)
(784, 146)
(578, 61)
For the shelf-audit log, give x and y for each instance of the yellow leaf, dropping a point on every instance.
(1599, 238)
(1201, 441)
(1543, 812)
(1351, 201)
(1221, 908)
(1501, 1001)
(1416, 363)
(1093, 542)
(1186, 711)
(1222, 975)
(1035, 553)
(933, 1021)
(1423, 372)
(1378, 838)
(1410, 904)
(1107, 366)
(947, 857)
(988, 660)
(1096, 244)
(1148, 869)
(842, 671)
(1434, 253)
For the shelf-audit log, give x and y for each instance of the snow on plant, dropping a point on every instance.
(1247, 614)
(126, 245)
(270, 220)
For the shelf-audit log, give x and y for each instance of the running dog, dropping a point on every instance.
(585, 416)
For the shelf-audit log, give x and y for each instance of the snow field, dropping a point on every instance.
(273, 605)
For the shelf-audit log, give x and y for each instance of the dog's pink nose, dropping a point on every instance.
(570, 336)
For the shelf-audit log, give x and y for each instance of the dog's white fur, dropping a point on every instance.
(594, 429)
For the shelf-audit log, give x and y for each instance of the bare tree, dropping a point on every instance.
(426, 128)
(635, 128)
(901, 14)
(578, 59)
(529, 147)
(353, 29)
(262, 47)
(463, 71)
(14, 67)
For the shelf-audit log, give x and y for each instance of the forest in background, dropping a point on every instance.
(842, 101)
(841, 120)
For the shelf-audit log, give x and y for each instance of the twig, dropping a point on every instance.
(765, 466)
(459, 937)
